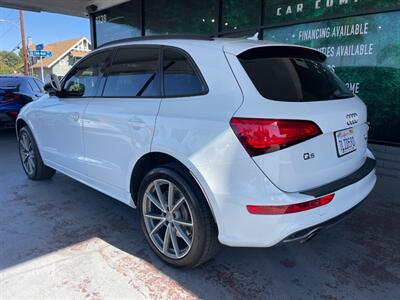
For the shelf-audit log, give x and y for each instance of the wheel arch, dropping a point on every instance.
(152, 160)
(20, 123)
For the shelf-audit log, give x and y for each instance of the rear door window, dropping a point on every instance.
(292, 74)
(180, 76)
(134, 73)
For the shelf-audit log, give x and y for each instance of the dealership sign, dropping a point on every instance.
(299, 7)
(282, 11)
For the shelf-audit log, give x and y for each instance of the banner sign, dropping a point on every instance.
(279, 12)
(364, 51)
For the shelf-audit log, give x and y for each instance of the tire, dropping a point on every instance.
(31, 160)
(202, 234)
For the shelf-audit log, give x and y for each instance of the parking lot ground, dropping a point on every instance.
(62, 240)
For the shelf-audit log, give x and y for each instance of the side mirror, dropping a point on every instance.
(75, 89)
(52, 84)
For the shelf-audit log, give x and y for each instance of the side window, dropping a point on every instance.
(25, 86)
(29, 87)
(85, 77)
(180, 78)
(134, 73)
(33, 85)
(39, 84)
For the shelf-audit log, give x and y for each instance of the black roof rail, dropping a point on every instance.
(160, 37)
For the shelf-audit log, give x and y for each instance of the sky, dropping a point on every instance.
(42, 27)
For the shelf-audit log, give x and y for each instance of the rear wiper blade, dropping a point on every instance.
(338, 95)
(341, 96)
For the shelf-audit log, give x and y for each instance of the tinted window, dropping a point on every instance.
(39, 84)
(9, 82)
(180, 16)
(239, 14)
(34, 86)
(134, 73)
(180, 77)
(118, 22)
(287, 75)
(85, 77)
(20, 84)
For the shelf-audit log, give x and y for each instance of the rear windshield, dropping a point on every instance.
(292, 74)
(9, 82)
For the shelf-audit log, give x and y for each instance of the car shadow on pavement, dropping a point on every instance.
(359, 257)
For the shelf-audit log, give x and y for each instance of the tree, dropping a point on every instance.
(10, 62)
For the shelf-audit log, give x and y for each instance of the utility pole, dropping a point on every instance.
(21, 25)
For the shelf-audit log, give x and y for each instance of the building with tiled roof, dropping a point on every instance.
(65, 55)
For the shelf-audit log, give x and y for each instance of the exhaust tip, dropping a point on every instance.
(311, 235)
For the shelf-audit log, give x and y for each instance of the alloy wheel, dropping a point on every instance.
(168, 218)
(27, 153)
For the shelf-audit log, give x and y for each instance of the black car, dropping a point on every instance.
(15, 92)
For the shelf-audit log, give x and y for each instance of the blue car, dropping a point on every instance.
(15, 92)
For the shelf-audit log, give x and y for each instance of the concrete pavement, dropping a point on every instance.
(62, 240)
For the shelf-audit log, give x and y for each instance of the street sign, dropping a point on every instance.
(39, 47)
(41, 53)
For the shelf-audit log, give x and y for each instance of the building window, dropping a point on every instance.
(240, 14)
(180, 17)
(119, 22)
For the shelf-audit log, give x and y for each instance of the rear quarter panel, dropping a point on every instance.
(195, 130)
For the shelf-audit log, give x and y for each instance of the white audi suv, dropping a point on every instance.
(215, 141)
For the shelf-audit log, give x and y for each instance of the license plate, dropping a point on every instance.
(345, 142)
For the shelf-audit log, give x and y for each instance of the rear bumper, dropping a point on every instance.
(331, 187)
(247, 230)
(307, 233)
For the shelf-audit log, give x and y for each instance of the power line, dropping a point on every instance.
(10, 22)
(16, 47)
(9, 14)
(5, 32)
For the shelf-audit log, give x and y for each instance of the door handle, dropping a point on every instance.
(75, 116)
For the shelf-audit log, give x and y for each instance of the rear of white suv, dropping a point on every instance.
(240, 142)
(278, 145)
(307, 134)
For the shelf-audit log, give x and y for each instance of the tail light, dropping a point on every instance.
(259, 136)
(9, 97)
(289, 209)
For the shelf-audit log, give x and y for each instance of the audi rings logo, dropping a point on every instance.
(352, 119)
